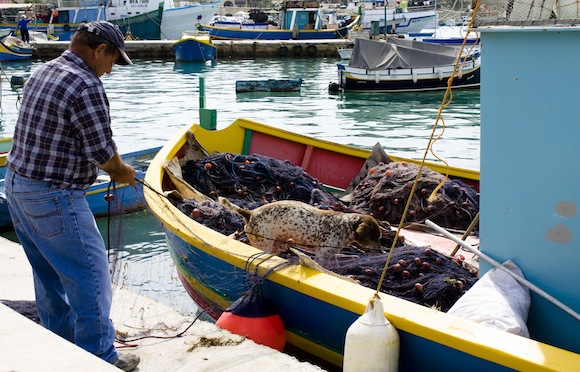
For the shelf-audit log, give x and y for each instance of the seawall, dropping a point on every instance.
(239, 49)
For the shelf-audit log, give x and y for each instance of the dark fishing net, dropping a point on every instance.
(250, 179)
(417, 274)
(386, 189)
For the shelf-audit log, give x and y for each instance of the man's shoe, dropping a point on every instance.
(127, 362)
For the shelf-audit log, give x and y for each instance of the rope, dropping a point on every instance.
(447, 98)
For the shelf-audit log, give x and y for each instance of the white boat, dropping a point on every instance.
(344, 53)
(408, 20)
(182, 16)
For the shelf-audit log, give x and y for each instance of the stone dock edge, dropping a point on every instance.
(226, 49)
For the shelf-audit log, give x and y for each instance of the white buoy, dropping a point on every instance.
(372, 343)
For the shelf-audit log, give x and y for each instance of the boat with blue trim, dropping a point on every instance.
(194, 46)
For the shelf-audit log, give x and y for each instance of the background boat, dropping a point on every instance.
(144, 26)
(195, 46)
(401, 65)
(181, 16)
(103, 197)
(299, 20)
(14, 49)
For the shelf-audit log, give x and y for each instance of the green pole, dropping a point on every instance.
(202, 92)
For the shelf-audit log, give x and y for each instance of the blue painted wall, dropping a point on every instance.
(530, 167)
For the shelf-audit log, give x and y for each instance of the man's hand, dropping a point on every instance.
(119, 170)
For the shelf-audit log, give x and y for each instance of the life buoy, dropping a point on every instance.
(297, 50)
(283, 51)
(66, 27)
(311, 50)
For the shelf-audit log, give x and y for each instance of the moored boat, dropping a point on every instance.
(14, 49)
(139, 25)
(181, 16)
(401, 65)
(123, 197)
(299, 20)
(194, 46)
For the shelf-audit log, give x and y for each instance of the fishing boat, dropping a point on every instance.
(397, 22)
(14, 49)
(136, 24)
(254, 20)
(317, 308)
(194, 46)
(269, 85)
(402, 65)
(181, 16)
(103, 197)
(299, 20)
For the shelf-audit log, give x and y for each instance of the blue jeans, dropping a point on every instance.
(67, 253)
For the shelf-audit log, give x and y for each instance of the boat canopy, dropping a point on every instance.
(398, 53)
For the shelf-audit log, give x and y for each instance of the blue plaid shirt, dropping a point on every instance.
(64, 128)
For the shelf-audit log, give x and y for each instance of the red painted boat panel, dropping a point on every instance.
(330, 168)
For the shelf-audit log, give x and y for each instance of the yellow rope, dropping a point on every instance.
(447, 98)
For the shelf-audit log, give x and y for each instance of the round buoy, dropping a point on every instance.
(372, 343)
(255, 318)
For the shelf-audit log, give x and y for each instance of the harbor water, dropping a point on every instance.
(152, 99)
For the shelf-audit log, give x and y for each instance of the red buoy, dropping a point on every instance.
(255, 318)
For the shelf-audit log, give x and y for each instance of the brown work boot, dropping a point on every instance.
(127, 362)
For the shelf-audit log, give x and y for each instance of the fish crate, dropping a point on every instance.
(528, 13)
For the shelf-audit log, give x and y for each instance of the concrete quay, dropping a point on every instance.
(226, 49)
(27, 346)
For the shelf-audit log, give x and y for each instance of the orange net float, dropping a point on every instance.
(255, 318)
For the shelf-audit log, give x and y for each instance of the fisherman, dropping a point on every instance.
(62, 138)
(23, 26)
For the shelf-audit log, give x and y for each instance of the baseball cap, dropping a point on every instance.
(111, 33)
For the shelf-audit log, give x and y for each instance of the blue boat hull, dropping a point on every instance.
(194, 51)
(237, 34)
(305, 318)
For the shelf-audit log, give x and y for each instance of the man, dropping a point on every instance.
(23, 26)
(62, 136)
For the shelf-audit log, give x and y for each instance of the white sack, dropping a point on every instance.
(497, 300)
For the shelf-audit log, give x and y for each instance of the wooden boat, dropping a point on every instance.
(401, 65)
(14, 49)
(269, 85)
(194, 46)
(299, 21)
(126, 198)
(317, 308)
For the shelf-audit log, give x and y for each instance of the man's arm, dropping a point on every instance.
(119, 170)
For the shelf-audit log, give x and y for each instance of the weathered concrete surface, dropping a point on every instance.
(27, 346)
(162, 49)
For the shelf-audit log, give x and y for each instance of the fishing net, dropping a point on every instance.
(417, 274)
(251, 179)
(386, 188)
